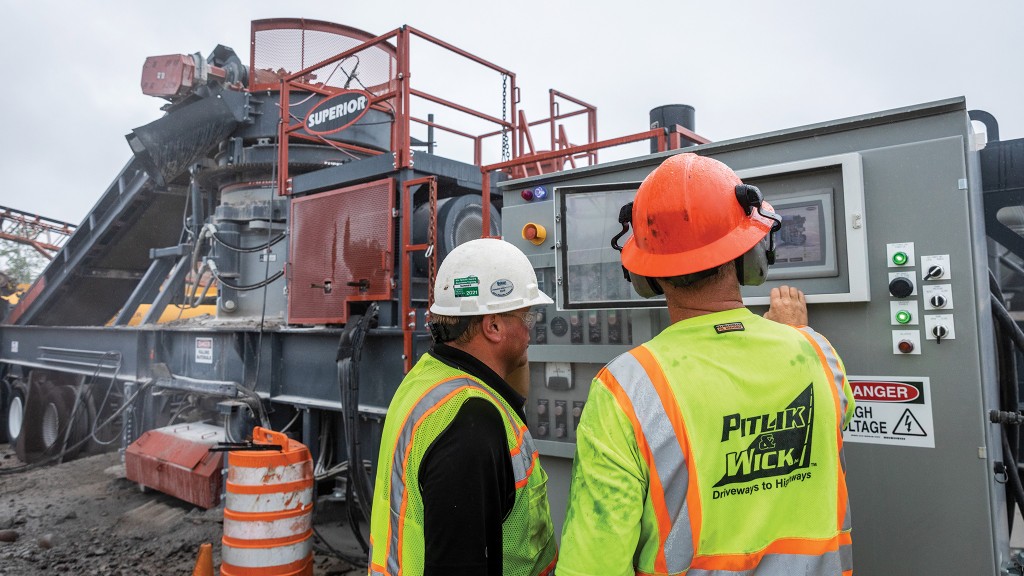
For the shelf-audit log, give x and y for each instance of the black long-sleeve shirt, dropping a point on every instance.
(466, 479)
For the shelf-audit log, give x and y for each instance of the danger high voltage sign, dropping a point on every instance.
(890, 410)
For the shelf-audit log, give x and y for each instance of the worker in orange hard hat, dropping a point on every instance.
(716, 447)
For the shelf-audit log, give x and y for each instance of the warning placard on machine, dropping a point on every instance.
(204, 350)
(891, 410)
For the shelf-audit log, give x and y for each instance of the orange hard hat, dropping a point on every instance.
(687, 218)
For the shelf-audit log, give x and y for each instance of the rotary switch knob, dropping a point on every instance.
(938, 301)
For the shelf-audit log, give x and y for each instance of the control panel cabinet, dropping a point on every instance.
(882, 228)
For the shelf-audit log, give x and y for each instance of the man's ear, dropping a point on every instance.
(491, 328)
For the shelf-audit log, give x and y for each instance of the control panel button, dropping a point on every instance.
(560, 431)
(903, 317)
(906, 342)
(901, 287)
(900, 258)
(534, 233)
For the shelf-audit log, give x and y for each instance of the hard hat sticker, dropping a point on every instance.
(467, 286)
(502, 287)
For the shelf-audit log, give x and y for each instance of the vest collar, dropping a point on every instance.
(468, 363)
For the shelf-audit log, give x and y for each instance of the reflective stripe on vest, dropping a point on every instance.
(524, 456)
(639, 386)
(828, 357)
(665, 453)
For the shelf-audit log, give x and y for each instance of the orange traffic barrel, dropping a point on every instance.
(268, 509)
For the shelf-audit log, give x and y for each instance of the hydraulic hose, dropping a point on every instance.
(1008, 337)
(359, 487)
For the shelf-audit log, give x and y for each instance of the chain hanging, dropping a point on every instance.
(504, 118)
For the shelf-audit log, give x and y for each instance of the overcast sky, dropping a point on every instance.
(748, 67)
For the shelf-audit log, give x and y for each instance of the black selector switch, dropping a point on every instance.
(559, 326)
(901, 287)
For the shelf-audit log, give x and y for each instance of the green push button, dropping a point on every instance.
(899, 258)
(903, 316)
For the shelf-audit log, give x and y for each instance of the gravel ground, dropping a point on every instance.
(83, 517)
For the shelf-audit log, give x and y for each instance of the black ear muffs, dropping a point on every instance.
(645, 286)
(763, 253)
(752, 266)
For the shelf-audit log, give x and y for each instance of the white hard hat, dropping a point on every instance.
(485, 276)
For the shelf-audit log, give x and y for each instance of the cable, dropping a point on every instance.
(250, 250)
(356, 561)
(263, 283)
(359, 488)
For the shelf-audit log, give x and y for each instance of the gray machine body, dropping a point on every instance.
(925, 498)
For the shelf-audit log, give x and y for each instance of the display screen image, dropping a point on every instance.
(805, 245)
(798, 242)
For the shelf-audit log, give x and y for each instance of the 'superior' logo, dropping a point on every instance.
(780, 442)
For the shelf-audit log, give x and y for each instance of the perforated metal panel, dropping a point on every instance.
(341, 251)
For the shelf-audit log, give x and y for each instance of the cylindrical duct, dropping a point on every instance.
(669, 115)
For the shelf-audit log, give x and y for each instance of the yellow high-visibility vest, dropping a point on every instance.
(424, 405)
(714, 449)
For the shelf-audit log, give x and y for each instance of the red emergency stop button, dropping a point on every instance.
(905, 346)
(534, 233)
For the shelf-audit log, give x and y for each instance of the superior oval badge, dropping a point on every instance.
(884, 391)
(337, 112)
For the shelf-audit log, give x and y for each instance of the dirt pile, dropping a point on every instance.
(85, 518)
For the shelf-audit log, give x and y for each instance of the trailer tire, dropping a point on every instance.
(24, 421)
(5, 398)
(56, 418)
(14, 410)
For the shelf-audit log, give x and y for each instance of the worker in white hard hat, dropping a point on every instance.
(459, 487)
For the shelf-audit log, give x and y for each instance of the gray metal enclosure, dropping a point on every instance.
(879, 205)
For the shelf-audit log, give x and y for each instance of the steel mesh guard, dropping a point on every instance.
(284, 46)
(340, 251)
